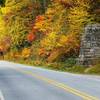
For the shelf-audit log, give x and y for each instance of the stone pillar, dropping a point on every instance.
(90, 45)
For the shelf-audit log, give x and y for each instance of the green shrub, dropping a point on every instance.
(76, 69)
(93, 70)
(70, 62)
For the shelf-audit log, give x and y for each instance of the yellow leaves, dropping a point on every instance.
(53, 19)
(63, 16)
(56, 53)
(2, 26)
(77, 18)
(50, 41)
(26, 52)
(62, 40)
(52, 36)
(63, 1)
(78, 11)
(68, 41)
(6, 10)
(83, 3)
(50, 11)
(77, 15)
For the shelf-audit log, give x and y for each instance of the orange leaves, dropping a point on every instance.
(39, 18)
(31, 37)
(1, 49)
(42, 24)
(25, 53)
(5, 44)
(41, 51)
(15, 54)
(39, 22)
(61, 25)
(34, 30)
(71, 42)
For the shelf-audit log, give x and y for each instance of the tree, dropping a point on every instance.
(18, 16)
(2, 2)
(95, 10)
(61, 25)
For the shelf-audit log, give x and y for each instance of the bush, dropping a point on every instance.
(76, 69)
(93, 70)
(70, 62)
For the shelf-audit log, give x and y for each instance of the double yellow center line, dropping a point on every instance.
(83, 95)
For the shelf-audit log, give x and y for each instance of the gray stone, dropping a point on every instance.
(90, 45)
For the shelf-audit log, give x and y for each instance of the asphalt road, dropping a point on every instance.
(20, 82)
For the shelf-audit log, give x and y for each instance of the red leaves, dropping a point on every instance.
(31, 37)
(39, 18)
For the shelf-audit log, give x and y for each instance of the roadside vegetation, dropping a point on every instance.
(46, 32)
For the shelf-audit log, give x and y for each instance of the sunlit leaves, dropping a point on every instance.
(18, 17)
(50, 41)
(51, 31)
(62, 25)
(26, 52)
(77, 17)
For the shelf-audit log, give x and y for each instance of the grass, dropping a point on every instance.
(93, 70)
(61, 66)
(76, 69)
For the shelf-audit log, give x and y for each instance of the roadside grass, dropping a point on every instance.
(93, 70)
(60, 66)
(77, 69)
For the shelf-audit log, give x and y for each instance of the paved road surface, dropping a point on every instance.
(20, 82)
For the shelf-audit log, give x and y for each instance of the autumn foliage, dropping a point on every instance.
(47, 30)
(31, 37)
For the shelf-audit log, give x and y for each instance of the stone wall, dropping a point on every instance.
(90, 45)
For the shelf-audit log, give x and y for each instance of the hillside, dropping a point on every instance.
(46, 32)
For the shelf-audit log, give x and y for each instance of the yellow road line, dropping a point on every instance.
(83, 95)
